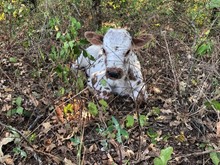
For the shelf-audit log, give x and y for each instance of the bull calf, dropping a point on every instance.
(116, 68)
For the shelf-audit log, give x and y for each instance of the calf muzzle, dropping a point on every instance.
(114, 73)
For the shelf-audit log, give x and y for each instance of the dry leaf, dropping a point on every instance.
(59, 113)
(110, 159)
(218, 129)
(3, 142)
(50, 147)
(8, 89)
(68, 162)
(47, 126)
(6, 107)
(93, 148)
(7, 160)
(156, 90)
(34, 100)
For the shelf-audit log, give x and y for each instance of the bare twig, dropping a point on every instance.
(176, 81)
(198, 153)
(74, 5)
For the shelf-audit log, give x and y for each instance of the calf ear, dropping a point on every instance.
(94, 38)
(141, 41)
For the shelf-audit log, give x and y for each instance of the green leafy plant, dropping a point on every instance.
(13, 59)
(104, 104)
(129, 121)
(214, 4)
(152, 134)
(78, 144)
(70, 46)
(120, 132)
(215, 157)
(143, 120)
(19, 151)
(93, 108)
(18, 110)
(68, 109)
(114, 130)
(213, 103)
(63, 72)
(204, 48)
(165, 156)
(32, 137)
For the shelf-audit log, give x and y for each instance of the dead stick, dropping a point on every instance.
(199, 153)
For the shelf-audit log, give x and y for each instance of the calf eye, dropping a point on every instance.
(127, 53)
(104, 52)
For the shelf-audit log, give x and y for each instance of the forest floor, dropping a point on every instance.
(34, 130)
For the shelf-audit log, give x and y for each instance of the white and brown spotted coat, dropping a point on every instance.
(116, 68)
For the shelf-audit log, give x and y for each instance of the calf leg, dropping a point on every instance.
(101, 88)
(139, 92)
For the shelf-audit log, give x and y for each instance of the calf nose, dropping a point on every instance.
(114, 73)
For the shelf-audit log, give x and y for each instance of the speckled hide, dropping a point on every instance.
(116, 68)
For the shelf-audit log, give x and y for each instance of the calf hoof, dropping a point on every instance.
(75, 67)
(141, 97)
(103, 95)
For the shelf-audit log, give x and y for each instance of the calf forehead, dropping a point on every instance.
(117, 39)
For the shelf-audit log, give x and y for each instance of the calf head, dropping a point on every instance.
(117, 46)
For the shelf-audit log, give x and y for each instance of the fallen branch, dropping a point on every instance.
(198, 153)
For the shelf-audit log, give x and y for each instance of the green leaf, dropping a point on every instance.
(71, 44)
(103, 82)
(124, 133)
(85, 54)
(83, 42)
(18, 101)
(92, 109)
(13, 59)
(11, 112)
(214, 4)
(153, 135)
(76, 141)
(23, 154)
(215, 158)
(143, 120)
(103, 103)
(156, 111)
(204, 48)
(79, 83)
(129, 121)
(213, 103)
(158, 161)
(117, 126)
(68, 108)
(19, 110)
(66, 45)
(164, 157)
(19, 151)
(32, 137)
(119, 130)
(58, 35)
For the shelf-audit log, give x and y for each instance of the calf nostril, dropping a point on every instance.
(113, 74)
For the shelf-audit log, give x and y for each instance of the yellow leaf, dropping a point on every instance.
(2, 17)
(15, 13)
(56, 28)
(181, 137)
